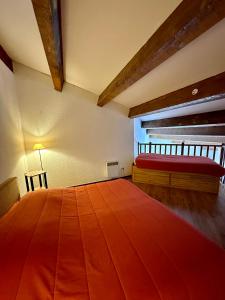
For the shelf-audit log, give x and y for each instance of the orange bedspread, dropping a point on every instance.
(106, 241)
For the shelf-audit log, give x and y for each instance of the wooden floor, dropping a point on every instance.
(204, 211)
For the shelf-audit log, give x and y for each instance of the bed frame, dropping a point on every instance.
(180, 180)
(9, 194)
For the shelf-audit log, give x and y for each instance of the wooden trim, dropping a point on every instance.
(180, 180)
(214, 117)
(48, 15)
(6, 59)
(188, 21)
(210, 131)
(210, 89)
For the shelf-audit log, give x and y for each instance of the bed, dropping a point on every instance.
(186, 172)
(104, 241)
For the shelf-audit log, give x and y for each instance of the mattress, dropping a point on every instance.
(104, 241)
(179, 163)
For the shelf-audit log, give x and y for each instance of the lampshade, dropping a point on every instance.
(38, 147)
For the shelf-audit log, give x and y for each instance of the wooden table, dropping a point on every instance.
(42, 175)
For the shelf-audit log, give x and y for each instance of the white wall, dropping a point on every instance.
(80, 136)
(12, 156)
(140, 135)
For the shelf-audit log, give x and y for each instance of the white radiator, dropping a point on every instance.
(112, 168)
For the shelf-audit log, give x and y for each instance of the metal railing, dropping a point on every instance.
(222, 161)
(214, 152)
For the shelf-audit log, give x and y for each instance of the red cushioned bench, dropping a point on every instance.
(187, 172)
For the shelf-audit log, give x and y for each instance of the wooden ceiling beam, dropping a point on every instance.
(188, 21)
(212, 118)
(193, 138)
(212, 88)
(48, 15)
(6, 59)
(209, 131)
